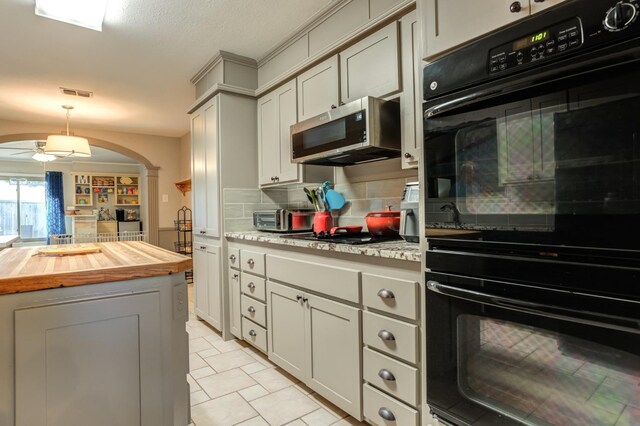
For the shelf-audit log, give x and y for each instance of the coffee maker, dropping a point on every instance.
(410, 213)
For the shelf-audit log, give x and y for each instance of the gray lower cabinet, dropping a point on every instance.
(234, 312)
(206, 280)
(318, 341)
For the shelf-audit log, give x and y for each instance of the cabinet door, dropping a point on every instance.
(539, 6)
(371, 67)
(199, 191)
(453, 23)
(285, 316)
(333, 352)
(214, 290)
(288, 115)
(318, 89)
(200, 280)
(411, 98)
(545, 108)
(234, 294)
(212, 170)
(268, 139)
(95, 362)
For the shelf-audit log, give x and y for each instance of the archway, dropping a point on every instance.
(150, 175)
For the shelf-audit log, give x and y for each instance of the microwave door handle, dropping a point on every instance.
(456, 103)
(581, 317)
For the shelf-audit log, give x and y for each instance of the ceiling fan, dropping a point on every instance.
(37, 153)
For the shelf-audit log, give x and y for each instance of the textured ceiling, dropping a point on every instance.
(139, 66)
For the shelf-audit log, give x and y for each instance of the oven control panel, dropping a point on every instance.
(543, 44)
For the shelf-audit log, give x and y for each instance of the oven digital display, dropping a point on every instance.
(531, 40)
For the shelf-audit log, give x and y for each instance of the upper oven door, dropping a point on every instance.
(552, 158)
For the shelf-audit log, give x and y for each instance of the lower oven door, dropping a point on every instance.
(505, 354)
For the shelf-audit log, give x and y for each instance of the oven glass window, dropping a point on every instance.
(546, 378)
(560, 161)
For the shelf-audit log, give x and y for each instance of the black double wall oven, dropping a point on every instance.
(532, 166)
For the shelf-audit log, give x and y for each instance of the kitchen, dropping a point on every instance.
(523, 175)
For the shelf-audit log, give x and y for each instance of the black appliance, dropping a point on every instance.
(532, 160)
(357, 238)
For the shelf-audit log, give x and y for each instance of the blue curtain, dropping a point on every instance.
(54, 203)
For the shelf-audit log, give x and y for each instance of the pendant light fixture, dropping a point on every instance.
(67, 145)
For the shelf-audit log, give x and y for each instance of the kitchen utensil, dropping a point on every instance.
(344, 230)
(312, 198)
(384, 223)
(334, 199)
(68, 251)
(322, 222)
(321, 199)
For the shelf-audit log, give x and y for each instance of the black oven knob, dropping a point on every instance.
(620, 16)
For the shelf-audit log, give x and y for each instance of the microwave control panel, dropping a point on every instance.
(543, 44)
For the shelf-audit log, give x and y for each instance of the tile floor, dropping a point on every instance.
(234, 384)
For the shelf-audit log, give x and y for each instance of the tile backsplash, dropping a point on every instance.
(362, 197)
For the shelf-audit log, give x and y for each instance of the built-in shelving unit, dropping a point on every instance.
(119, 190)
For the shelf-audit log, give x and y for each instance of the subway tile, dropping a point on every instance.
(232, 195)
(362, 207)
(275, 196)
(390, 188)
(352, 191)
(238, 225)
(233, 211)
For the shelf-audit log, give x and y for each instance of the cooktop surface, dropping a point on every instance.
(353, 239)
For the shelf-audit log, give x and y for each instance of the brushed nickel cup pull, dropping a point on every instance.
(386, 335)
(251, 309)
(251, 262)
(386, 294)
(252, 333)
(386, 414)
(251, 285)
(232, 258)
(387, 375)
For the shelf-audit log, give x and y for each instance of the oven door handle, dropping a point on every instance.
(557, 312)
(456, 103)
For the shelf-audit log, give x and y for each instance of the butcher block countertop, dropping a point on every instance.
(22, 269)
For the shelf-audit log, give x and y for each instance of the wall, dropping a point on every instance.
(163, 152)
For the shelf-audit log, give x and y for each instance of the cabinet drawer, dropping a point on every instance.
(341, 283)
(233, 256)
(254, 334)
(394, 337)
(252, 261)
(254, 310)
(398, 297)
(254, 286)
(401, 379)
(377, 405)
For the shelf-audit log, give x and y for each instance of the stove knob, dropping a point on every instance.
(620, 16)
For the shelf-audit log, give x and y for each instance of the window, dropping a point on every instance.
(22, 207)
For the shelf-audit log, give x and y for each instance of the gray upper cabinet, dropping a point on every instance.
(205, 140)
(411, 98)
(277, 111)
(318, 89)
(448, 24)
(371, 67)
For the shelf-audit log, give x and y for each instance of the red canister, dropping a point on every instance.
(322, 222)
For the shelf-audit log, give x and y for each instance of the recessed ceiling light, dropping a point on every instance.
(84, 13)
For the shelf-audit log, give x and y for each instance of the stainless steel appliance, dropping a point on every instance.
(410, 213)
(361, 131)
(282, 220)
(532, 162)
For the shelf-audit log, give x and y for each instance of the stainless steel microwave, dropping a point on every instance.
(361, 131)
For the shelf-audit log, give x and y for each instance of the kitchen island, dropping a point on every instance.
(95, 338)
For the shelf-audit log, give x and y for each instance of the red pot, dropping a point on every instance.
(385, 223)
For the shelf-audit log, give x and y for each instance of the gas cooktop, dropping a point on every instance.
(353, 238)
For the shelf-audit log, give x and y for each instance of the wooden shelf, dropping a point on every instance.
(184, 186)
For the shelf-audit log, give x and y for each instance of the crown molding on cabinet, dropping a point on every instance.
(226, 56)
(220, 88)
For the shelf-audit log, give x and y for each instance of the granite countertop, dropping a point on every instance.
(399, 250)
